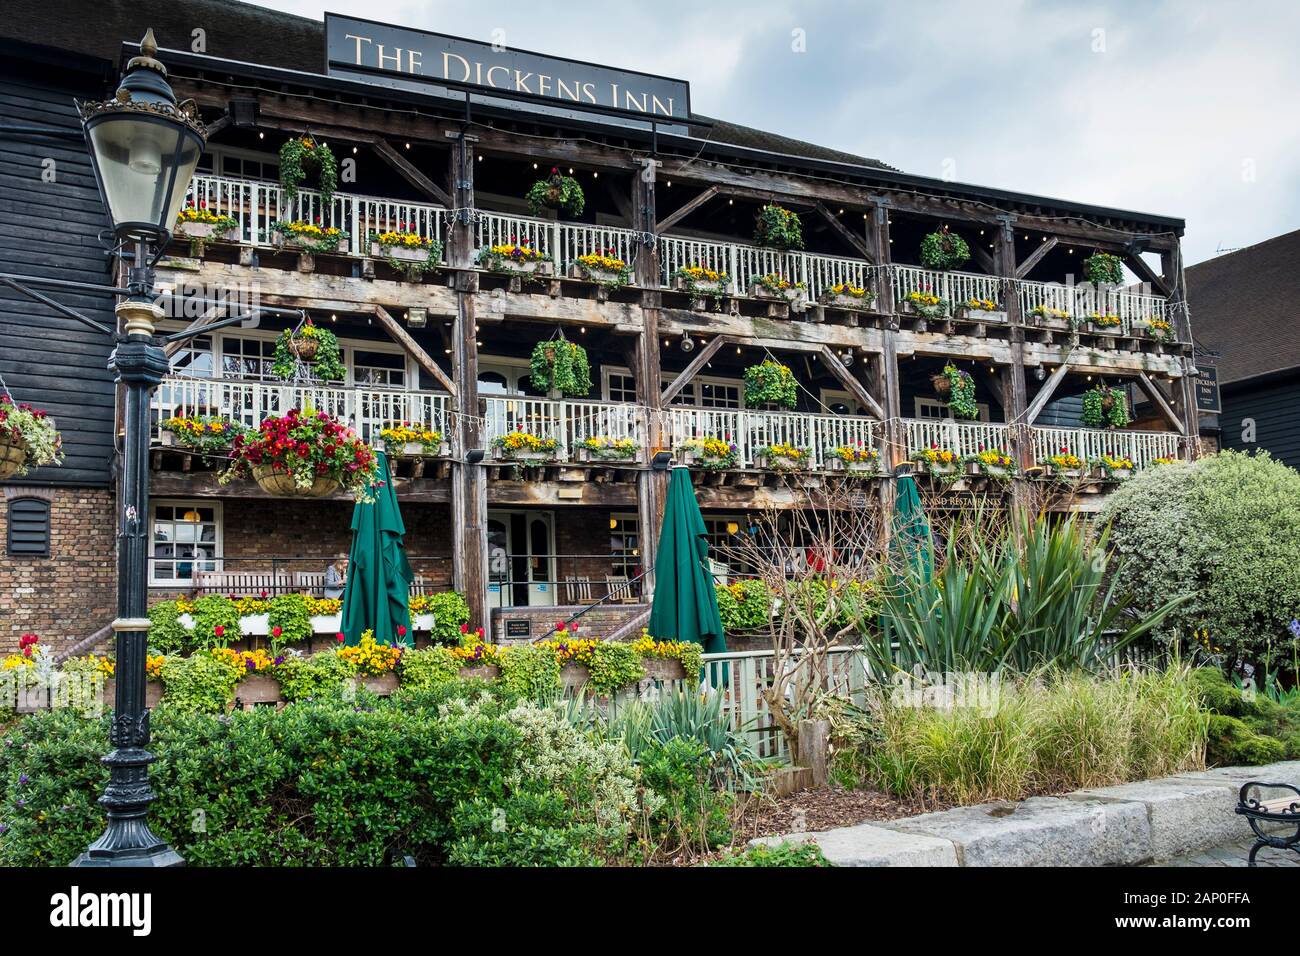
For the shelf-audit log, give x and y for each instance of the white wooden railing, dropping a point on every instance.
(366, 408)
(1084, 300)
(256, 205)
(955, 288)
(751, 431)
(568, 422)
(1141, 448)
(964, 438)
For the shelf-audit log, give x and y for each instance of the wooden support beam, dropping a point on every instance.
(1153, 392)
(682, 380)
(1036, 257)
(856, 388)
(412, 175)
(687, 208)
(1147, 274)
(856, 241)
(983, 259)
(1045, 393)
(413, 348)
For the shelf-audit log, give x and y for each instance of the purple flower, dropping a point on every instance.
(3, 829)
(1295, 628)
(21, 803)
(279, 660)
(22, 780)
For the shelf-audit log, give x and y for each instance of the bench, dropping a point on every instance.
(1284, 810)
(241, 582)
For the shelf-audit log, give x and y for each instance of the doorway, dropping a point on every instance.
(521, 559)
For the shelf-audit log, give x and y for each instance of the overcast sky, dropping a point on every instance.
(1187, 108)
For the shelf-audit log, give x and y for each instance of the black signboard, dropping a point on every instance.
(416, 60)
(520, 627)
(1207, 388)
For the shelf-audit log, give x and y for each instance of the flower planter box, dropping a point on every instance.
(255, 625)
(326, 623)
(422, 622)
(574, 677)
(280, 240)
(588, 455)
(415, 449)
(663, 669)
(205, 231)
(907, 307)
(792, 296)
(282, 485)
(400, 253)
(1072, 473)
(533, 267)
(967, 314)
(13, 455)
(992, 471)
(527, 456)
(693, 459)
(846, 301)
(480, 672)
(1115, 474)
(153, 693)
(601, 276)
(257, 690)
(779, 463)
(939, 470)
(700, 286)
(381, 685)
(852, 467)
(29, 700)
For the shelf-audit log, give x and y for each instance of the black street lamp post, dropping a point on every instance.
(144, 147)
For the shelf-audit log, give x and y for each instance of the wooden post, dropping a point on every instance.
(1014, 394)
(468, 482)
(814, 749)
(885, 367)
(1171, 264)
(652, 486)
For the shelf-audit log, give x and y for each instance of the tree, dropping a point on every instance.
(1224, 529)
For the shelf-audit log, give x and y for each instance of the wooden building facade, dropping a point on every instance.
(449, 349)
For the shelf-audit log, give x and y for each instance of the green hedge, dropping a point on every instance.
(1247, 729)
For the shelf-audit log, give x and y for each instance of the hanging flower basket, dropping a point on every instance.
(28, 439)
(310, 344)
(770, 382)
(957, 388)
(942, 387)
(944, 250)
(302, 155)
(563, 193)
(304, 348)
(560, 368)
(1105, 407)
(1102, 268)
(304, 454)
(778, 228)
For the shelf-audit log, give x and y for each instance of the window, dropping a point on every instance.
(247, 358)
(625, 545)
(936, 410)
(385, 369)
(700, 392)
(185, 537)
(716, 394)
(620, 386)
(29, 528)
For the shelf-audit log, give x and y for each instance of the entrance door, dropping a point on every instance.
(521, 558)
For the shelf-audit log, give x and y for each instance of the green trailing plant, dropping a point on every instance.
(943, 250)
(450, 610)
(701, 282)
(559, 365)
(327, 363)
(778, 228)
(429, 667)
(199, 683)
(302, 155)
(556, 191)
(770, 381)
(1223, 530)
(317, 677)
(1105, 407)
(167, 635)
(744, 605)
(961, 392)
(613, 665)
(289, 615)
(530, 671)
(1102, 268)
(216, 622)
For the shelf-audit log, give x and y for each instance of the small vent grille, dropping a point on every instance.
(29, 528)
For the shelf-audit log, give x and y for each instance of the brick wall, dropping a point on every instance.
(73, 592)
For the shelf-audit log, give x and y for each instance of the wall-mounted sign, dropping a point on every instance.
(1207, 388)
(416, 60)
(519, 627)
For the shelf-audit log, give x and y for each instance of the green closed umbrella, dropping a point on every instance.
(379, 576)
(685, 606)
(911, 530)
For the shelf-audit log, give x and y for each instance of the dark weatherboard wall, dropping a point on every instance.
(52, 229)
(1274, 409)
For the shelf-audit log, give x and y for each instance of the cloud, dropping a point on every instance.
(1179, 108)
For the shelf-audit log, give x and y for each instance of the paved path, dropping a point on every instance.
(1235, 854)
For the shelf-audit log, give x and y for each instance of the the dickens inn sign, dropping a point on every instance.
(417, 60)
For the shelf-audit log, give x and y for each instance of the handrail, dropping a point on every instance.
(607, 597)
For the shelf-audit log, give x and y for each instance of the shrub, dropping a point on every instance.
(1223, 530)
(530, 671)
(329, 783)
(429, 667)
(450, 611)
(744, 605)
(1246, 728)
(199, 683)
(693, 815)
(1050, 734)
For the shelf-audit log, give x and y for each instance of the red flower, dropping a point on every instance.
(276, 631)
(263, 594)
(219, 630)
(401, 630)
(464, 628)
(339, 637)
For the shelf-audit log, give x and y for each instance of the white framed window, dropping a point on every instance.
(184, 537)
(384, 369)
(937, 410)
(499, 375)
(838, 401)
(619, 385)
(703, 391)
(247, 357)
